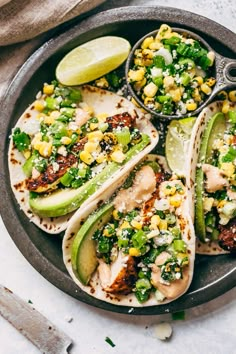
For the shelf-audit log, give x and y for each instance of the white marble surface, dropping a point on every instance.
(208, 329)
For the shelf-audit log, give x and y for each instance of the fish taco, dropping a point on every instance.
(212, 179)
(69, 145)
(135, 244)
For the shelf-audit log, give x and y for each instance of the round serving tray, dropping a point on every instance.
(213, 275)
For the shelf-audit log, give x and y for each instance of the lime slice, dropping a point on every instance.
(92, 60)
(177, 141)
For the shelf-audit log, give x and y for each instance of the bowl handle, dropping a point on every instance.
(225, 73)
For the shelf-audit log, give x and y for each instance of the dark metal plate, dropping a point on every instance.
(213, 275)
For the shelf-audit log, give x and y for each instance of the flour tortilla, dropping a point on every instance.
(210, 248)
(94, 289)
(102, 101)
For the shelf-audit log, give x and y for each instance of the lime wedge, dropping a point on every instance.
(177, 141)
(92, 60)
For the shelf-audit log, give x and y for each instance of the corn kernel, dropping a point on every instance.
(139, 84)
(211, 56)
(196, 95)
(37, 145)
(93, 126)
(150, 90)
(37, 139)
(48, 89)
(155, 45)
(138, 61)
(39, 105)
(136, 75)
(45, 148)
(106, 232)
(232, 96)
(95, 136)
(125, 225)
(164, 31)
(227, 168)
(26, 154)
(86, 157)
(206, 89)
(208, 204)
(118, 156)
(147, 54)
(221, 204)
(176, 95)
(115, 214)
(175, 200)
(138, 53)
(147, 41)
(163, 224)
(147, 62)
(168, 82)
(155, 219)
(149, 101)
(191, 106)
(137, 225)
(49, 120)
(41, 116)
(199, 80)
(102, 82)
(101, 117)
(211, 81)
(101, 158)
(183, 257)
(225, 106)
(169, 190)
(65, 140)
(91, 146)
(157, 106)
(192, 72)
(134, 252)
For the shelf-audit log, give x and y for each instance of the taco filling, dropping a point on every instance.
(142, 241)
(69, 148)
(216, 195)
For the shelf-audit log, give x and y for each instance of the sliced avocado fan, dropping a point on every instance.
(214, 129)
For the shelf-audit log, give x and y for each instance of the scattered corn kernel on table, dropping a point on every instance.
(209, 328)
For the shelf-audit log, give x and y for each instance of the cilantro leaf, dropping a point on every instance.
(21, 140)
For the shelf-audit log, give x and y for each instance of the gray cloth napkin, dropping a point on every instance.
(24, 26)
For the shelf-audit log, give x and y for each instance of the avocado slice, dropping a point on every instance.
(64, 201)
(83, 255)
(215, 129)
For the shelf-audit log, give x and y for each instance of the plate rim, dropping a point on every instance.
(28, 249)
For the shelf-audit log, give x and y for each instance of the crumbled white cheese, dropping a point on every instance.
(55, 166)
(62, 150)
(163, 331)
(69, 319)
(161, 204)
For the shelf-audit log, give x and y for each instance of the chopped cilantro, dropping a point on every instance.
(109, 341)
(21, 140)
(230, 156)
(178, 316)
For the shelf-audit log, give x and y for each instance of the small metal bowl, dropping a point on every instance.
(223, 70)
